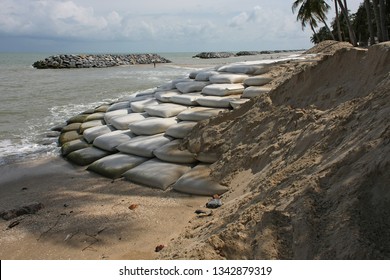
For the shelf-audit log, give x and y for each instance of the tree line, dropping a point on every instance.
(368, 26)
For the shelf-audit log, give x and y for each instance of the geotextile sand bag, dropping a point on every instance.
(192, 86)
(181, 129)
(69, 136)
(71, 127)
(199, 113)
(165, 110)
(171, 152)
(259, 80)
(152, 125)
(144, 146)
(197, 181)
(253, 91)
(165, 96)
(113, 166)
(91, 133)
(228, 78)
(119, 105)
(139, 106)
(155, 173)
(122, 122)
(188, 99)
(223, 89)
(72, 146)
(95, 116)
(110, 141)
(87, 155)
(238, 102)
(116, 113)
(217, 101)
(89, 124)
(244, 69)
(205, 75)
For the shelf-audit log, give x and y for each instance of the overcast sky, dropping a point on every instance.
(151, 25)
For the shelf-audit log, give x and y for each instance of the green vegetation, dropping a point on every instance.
(369, 25)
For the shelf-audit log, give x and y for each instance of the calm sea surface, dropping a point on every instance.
(32, 101)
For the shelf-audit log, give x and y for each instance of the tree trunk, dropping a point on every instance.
(369, 22)
(377, 21)
(338, 21)
(352, 35)
(382, 15)
(327, 28)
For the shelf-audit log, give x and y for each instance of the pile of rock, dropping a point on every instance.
(213, 55)
(97, 61)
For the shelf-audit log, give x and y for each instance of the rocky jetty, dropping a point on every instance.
(97, 60)
(213, 55)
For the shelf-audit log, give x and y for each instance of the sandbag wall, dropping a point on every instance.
(138, 137)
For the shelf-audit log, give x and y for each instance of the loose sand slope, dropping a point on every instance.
(307, 166)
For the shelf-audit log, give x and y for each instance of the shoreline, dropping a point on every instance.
(86, 216)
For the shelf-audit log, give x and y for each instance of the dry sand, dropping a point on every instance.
(307, 167)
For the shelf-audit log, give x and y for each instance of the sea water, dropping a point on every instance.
(34, 100)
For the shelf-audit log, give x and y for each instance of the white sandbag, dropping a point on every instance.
(199, 113)
(69, 136)
(110, 141)
(205, 75)
(238, 102)
(193, 74)
(152, 125)
(139, 106)
(181, 129)
(148, 92)
(193, 86)
(176, 81)
(72, 146)
(129, 97)
(259, 80)
(197, 181)
(90, 124)
(113, 166)
(95, 116)
(157, 174)
(217, 101)
(87, 155)
(188, 99)
(91, 133)
(244, 69)
(117, 113)
(119, 105)
(165, 110)
(206, 157)
(122, 122)
(171, 152)
(223, 89)
(144, 146)
(165, 96)
(253, 91)
(228, 78)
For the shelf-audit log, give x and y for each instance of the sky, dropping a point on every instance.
(126, 26)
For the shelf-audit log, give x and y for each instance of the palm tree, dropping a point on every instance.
(367, 5)
(310, 11)
(382, 16)
(351, 32)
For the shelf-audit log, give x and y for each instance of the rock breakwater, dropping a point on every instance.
(97, 60)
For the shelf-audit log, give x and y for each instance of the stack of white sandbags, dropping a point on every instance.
(139, 137)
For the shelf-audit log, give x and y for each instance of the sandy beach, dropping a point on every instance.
(86, 216)
(306, 166)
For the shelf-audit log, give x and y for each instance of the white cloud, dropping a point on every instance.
(225, 23)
